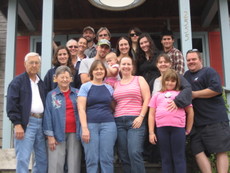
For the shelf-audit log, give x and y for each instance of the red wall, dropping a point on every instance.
(216, 53)
(22, 48)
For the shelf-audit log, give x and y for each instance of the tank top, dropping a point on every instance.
(128, 98)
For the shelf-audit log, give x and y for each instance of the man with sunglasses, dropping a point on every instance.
(211, 131)
(176, 57)
(103, 33)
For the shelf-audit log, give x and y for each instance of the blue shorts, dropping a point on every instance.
(213, 138)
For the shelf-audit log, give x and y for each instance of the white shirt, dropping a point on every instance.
(36, 105)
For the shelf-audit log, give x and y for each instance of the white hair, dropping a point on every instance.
(70, 41)
(31, 54)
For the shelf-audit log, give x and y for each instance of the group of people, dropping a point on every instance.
(96, 96)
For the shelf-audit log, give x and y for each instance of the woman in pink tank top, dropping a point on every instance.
(132, 96)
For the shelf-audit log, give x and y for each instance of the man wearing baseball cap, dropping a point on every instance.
(89, 34)
(103, 48)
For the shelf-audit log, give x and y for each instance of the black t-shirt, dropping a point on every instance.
(207, 110)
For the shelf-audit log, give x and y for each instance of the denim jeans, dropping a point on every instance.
(34, 140)
(130, 144)
(100, 148)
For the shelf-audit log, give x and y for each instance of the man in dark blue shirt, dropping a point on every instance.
(211, 131)
(25, 107)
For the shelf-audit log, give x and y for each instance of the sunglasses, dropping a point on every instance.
(103, 35)
(135, 34)
(73, 46)
(192, 50)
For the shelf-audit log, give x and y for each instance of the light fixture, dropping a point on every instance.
(116, 5)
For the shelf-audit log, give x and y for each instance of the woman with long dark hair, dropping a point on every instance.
(123, 48)
(61, 56)
(146, 59)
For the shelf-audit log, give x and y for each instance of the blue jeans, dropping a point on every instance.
(34, 140)
(130, 144)
(100, 147)
(172, 147)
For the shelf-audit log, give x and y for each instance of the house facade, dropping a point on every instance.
(198, 24)
(2, 67)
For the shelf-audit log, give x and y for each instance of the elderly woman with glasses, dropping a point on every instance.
(61, 125)
(72, 46)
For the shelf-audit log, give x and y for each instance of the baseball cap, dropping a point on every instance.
(104, 42)
(88, 28)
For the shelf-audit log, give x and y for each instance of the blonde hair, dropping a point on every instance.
(112, 55)
(172, 75)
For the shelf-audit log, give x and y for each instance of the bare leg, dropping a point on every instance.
(222, 162)
(203, 163)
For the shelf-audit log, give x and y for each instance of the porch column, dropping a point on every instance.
(185, 27)
(225, 39)
(47, 29)
(9, 67)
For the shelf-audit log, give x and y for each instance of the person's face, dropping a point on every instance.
(126, 66)
(82, 44)
(103, 35)
(63, 80)
(73, 47)
(193, 62)
(111, 60)
(62, 56)
(170, 84)
(134, 36)
(32, 65)
(102, 51)
(163, 65)
(124, 46)
(99, 72)
(89, 35)
(144, 44)
(167, 41)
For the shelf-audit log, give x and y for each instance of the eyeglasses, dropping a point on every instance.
(103, 35)
(135, 34)
(72, 47)
(34, 62)
(192, 50)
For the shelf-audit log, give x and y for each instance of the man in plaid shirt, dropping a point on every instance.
(175, 55)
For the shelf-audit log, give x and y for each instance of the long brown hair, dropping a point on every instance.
(152, 48)
(172, 75)
(56, 63)
(130, 46)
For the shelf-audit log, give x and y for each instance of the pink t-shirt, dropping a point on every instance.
(128, 98)
(163, 117)
(112, 80)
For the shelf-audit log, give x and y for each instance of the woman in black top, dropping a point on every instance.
(146, 59)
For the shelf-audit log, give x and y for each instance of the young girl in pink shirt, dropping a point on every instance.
(172, 126)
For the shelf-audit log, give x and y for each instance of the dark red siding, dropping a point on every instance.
(216, 53)
(22, 48)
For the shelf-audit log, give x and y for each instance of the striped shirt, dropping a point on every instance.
(128, 98)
